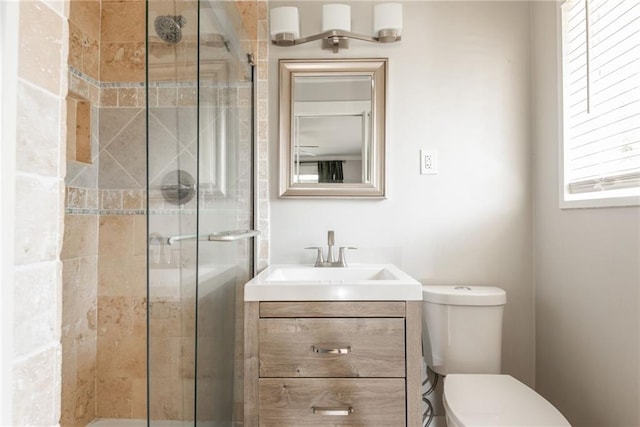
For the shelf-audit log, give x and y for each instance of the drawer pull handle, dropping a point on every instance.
(330, 350)
(340, 412)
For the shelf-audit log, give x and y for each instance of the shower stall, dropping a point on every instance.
(200, 204)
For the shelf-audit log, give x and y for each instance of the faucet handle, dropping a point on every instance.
(319, 257)
(341, 257)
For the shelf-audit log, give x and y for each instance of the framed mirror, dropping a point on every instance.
(332, 127)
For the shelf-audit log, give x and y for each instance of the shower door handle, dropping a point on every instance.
(221, 236)
(232, 236)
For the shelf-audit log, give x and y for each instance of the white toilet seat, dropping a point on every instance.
(497, 401)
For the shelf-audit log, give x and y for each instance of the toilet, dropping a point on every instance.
(462, 340)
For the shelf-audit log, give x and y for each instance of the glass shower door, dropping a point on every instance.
(200, 192)
(224, 216)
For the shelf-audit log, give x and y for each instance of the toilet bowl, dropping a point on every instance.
(462, 340)
(496, 401)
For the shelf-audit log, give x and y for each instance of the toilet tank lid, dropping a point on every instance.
(464, 295)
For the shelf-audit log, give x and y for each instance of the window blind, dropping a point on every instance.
(601, 75)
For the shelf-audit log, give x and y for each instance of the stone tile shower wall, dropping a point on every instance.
(122, 233)
(102, 193)
(255, 20)
(104, 252)
(117, 207)
(79, 309)
(80, 243)
(41, 86)
(262, 130)
(121, 351)
(104, 306)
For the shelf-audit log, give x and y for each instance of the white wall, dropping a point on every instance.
(458, 82)
(587, 264)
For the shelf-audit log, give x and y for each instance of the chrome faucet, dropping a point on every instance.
(331, 237)
(331, 261)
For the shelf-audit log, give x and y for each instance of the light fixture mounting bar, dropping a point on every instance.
(336, 26)
(335, 39)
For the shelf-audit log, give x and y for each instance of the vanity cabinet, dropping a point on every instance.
(332, 363)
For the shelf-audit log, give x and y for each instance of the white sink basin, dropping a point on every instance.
(342, 275)
(367, 282)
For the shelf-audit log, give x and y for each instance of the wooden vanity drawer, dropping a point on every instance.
(332, 402)
(332, 347)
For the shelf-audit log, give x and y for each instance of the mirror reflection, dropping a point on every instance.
(332, 129)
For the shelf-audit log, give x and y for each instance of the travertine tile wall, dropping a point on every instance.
(121, 355)
(83, 62)
(80, 244)
(37, 304)
(84, 37)
(121, 136)
(104, 332)
(122, 97)
(122, 233)
(79, 338)
(104, 277)
(255, 20)
(108, 195)
(262, 132)
(111, 396)
(254, 16)
(42, 87)
(122, 46)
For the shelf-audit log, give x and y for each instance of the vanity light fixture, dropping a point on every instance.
(336, 26)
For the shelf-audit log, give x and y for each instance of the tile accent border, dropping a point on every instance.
(92, 201)
(107, 94)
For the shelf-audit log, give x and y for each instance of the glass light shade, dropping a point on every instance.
(387, 16)
(336, 17)
(284, 20)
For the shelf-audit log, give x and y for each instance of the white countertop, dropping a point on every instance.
(358, 282)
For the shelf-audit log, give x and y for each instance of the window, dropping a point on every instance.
(601, 97)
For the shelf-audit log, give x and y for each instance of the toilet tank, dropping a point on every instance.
(462, 329)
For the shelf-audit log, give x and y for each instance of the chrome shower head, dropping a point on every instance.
(169, 28)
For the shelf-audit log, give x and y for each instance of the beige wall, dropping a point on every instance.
(459, 83)
(37, 300)
(587, 275)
